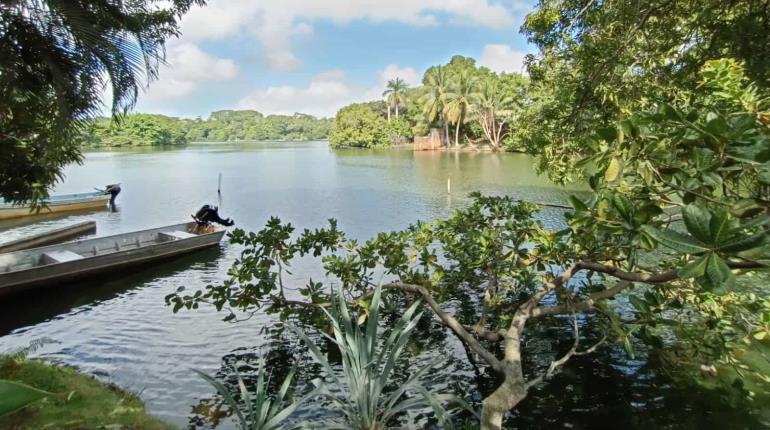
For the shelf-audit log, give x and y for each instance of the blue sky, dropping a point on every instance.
(314, 56)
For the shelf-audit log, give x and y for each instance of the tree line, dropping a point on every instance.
(221, 126)
(472, 105)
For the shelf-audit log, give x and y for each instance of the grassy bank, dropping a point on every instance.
(80, 401)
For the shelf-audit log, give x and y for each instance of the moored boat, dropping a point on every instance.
(62, 203)
(54, 264)
(49, 237)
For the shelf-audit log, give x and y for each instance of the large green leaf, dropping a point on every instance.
(721, 225)
(578, 204)
(717, 270)
(759, 254)
(624, 207)
(763, 173)
(697, 219)
(744, 243)
(694, 269)
(676, 241)
(15, 395)
(613, 170)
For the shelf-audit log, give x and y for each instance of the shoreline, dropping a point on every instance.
(78, 400)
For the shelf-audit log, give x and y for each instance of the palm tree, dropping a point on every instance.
(458, 100)
(56, 58)
(491, 103)
(395, 94)
(435, 84)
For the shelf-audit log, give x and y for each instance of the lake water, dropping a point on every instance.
(119, 328)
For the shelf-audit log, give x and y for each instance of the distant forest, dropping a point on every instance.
(225, 125)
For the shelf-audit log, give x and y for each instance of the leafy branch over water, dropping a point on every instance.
(679, 211)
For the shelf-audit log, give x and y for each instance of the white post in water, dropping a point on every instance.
(219, 184)
(449, 185)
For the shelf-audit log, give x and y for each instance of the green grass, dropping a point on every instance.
(81, 402)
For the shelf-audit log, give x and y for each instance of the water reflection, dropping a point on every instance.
(42, 304)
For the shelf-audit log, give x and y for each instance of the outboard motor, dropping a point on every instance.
(208, 214)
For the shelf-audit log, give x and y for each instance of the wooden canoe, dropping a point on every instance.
(58, 203)
(55, 264)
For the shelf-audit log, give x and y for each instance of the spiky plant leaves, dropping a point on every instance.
(361, 391)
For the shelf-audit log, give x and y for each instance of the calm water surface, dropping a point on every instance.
(119, 328)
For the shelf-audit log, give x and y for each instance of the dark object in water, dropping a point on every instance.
(113, 190)
(208, 214)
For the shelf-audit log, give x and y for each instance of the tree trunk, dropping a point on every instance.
(494, 407)
(396, 110)
(459, 123)
(514, 387)
(388, 113)
(457, 134)
(446, 133)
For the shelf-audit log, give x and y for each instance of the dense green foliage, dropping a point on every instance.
(226, 125)
(601, 61)
(358, 125)
(677, 219)
(478, 104)
(251, 125)
(365, 392)
(135, 130)
(55, 59)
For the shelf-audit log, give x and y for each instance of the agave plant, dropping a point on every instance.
(263, 412)
(360, 392)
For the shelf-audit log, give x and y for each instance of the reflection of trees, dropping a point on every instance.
(602, 390)
(281, 351)
(26, 308)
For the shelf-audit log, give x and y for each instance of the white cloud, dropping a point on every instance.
(411, 76)
(408, 74)
(325, 94)
(502, 58)
(187, 66)
(275, 23)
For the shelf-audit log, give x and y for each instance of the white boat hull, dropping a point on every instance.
(100, 201)
(56, 264)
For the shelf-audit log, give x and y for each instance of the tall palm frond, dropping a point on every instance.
(436, 84)
(395, 94)
(56, 58)
(462, 94)
(492, 105)
(432, 102)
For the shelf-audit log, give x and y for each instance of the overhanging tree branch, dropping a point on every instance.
(450, 322)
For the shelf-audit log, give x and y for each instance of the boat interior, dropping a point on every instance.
(62, 253)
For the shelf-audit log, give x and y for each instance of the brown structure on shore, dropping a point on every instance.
(431, 142)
